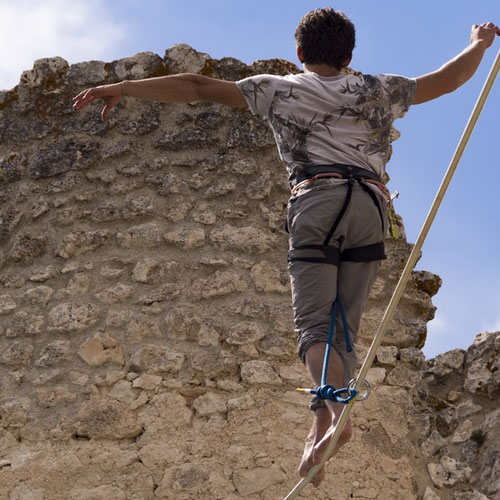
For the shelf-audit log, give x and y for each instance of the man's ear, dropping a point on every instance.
(347, 62)
(300, 54)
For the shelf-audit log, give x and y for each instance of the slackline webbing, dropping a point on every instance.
(405, 276)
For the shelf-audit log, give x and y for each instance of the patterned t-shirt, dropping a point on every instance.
(320, 120)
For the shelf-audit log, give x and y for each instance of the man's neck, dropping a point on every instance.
(321, 69)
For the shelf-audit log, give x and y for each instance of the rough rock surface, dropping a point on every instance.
(146, 343)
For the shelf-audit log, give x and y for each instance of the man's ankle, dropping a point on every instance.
(323, 412)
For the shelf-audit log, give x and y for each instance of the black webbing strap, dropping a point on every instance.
(341, 213)
(366, 253)
(321, 254)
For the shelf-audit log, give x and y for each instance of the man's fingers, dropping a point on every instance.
(105, 112)
(86, 97)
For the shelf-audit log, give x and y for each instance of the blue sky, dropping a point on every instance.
(393, 36)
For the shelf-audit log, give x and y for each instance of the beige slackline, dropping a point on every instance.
(398, 291)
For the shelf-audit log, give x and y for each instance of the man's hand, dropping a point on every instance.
(110, 94)
(484, 33)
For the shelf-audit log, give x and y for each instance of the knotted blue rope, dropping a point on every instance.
(325, 391)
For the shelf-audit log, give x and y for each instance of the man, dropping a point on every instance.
(332, 132)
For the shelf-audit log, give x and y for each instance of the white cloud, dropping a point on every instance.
(439, 324)
(78, 30)
(492, 326)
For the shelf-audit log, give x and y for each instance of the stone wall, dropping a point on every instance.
(458, 422)
(146, 338)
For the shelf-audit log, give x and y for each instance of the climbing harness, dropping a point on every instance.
(325, 253)
(405, 276)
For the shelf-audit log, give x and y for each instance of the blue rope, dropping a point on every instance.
(325, 391)
(329, 341)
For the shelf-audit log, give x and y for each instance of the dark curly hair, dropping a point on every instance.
(326, 36)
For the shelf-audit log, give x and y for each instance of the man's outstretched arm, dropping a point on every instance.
(185, 87)
(456, 72)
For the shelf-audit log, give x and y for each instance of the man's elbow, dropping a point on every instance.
(455, 81)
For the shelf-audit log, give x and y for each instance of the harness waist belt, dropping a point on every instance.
(344, 171)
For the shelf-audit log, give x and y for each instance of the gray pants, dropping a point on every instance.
(315, 286)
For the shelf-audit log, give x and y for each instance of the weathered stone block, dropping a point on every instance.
(25, 323)
(106, 212)
(147, 122)
(142, 236)
(38, 296)
(141, 328)
(17, 355)
(220, 189)
(7, 304)
(210, 404)
(218, 284)
(249, 133)
(448, 472)
(165, 184)
(182, 58)
(115, 294)
(247, 239)
(157, 359)
(102, 349)
(14, 413)
(427, 282)
(48, 397)
(188, 138)
(387, 355)
(122, 391)
(55, 353)
(187, 237)
(147, 382)
(72, 317)
(144, 270)
(259, 372)
(64, 156)
(44, 71)
(86, 73)
(44, 274)
(138, 206)
(268, 278)
(28, 247)
(140, 65)
(246, 332)
(12, 167)
(105, 419)
(250, 481)
(79, 242)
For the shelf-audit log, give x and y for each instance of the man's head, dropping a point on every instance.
(325, 36)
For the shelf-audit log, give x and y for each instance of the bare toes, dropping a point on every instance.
(318, 478)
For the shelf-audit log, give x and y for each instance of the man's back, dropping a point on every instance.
(321, 120)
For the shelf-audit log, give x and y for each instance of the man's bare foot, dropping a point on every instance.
(321, 424)
(317, 442)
